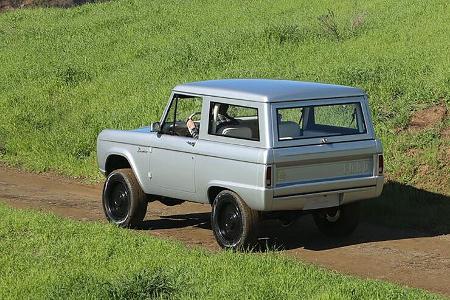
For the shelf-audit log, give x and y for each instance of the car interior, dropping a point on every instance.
(243, 127)
(242, 122)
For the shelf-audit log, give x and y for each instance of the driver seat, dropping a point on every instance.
(236, 131)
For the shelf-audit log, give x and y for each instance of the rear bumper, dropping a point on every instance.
(322, 195)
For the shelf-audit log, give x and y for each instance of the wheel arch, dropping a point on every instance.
(121, 160)
(252, 195)
(213, 191)
(116, 161)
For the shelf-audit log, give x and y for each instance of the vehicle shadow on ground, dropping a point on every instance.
(198, 220)
(401, 212)
(304, 234)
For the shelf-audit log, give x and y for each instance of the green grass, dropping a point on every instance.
(47, 257)
(68, 73)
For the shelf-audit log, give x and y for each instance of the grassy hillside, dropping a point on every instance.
(62, 259)
(68, 73)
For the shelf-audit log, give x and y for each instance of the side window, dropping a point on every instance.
(233, 121)
(181, 108)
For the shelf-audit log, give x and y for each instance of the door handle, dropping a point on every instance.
(191, 143)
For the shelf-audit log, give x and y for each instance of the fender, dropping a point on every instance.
(126, 153)
(253, 196)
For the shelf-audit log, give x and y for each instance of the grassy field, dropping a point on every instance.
(47, 257)
(68, 73)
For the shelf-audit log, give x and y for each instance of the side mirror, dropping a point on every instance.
(155, 127)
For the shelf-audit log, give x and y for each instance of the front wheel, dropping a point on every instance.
(233, 222)
(338, 221)
(124, 202)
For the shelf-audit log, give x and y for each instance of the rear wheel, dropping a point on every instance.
(233, 222)
(338, 221)
(124, 202)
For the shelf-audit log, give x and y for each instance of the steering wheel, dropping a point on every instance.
(193, 115)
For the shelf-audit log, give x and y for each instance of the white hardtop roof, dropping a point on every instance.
(267, 90)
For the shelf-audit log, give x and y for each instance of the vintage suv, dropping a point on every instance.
(254, 149)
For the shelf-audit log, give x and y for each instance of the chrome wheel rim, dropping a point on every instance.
(333, 217)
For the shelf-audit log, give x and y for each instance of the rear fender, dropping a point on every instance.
(253, 196)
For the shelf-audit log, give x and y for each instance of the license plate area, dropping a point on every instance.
(322, 201)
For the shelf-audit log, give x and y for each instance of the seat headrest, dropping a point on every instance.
(289, 129)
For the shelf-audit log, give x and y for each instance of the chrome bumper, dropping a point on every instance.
(323, 195)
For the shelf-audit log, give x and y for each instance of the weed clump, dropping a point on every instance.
(329, 25)
(142, 285)
(283, 33)
(338, 29)
(358, 22)
(72, 76)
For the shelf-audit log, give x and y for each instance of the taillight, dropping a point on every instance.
(380, 164)
(269, 176)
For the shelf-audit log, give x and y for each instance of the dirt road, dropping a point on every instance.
(407, 257)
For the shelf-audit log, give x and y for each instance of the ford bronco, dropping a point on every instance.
(252, 148)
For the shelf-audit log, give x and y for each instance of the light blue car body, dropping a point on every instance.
(269, 174)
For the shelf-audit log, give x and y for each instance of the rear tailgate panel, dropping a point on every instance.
(332, 169)
(325, 167)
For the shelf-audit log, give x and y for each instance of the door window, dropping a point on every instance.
(181, 108)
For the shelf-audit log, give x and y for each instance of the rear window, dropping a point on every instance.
(320, 121)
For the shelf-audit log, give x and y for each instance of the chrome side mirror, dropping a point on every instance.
(155, 127)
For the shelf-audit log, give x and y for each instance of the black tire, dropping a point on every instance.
(124, 202)
(338, 222)
(233, 222)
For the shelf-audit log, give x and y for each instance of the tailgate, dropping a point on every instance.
(325, 167)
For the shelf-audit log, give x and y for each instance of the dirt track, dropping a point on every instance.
(407, 257)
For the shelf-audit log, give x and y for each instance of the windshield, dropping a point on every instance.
(320, 121)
